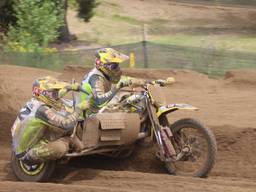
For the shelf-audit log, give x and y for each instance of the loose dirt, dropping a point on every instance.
(226, 106)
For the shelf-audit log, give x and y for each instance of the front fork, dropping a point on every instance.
(163, 137)
(167, 138)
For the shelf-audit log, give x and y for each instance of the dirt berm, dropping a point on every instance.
(224, 107)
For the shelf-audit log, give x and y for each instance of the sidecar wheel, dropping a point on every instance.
(202, 146)
(32, 173)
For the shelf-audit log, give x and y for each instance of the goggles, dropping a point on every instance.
(51, 94)
(112, 66)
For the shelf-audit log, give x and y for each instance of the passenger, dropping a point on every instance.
(42, 128)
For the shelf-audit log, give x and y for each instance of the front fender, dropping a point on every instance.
(173, 107)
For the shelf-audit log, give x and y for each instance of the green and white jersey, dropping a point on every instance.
(99, 89)
(27, 129)
(34, 119)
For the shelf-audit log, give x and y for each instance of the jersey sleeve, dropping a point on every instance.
(100, 96)
(49, 115)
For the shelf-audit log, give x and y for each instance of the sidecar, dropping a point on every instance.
(107, 132)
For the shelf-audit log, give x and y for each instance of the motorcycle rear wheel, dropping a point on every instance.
(32, 173)
(202, 145)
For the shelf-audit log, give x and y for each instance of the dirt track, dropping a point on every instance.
(226, 105)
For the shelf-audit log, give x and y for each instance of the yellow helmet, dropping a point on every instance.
(46, 89)
(107, 61)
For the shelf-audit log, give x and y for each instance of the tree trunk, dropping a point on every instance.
(64, 34)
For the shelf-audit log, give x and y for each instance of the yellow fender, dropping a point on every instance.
(173, 107)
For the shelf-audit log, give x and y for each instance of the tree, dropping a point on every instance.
(85, 11)
(6, 14)
(36, 26)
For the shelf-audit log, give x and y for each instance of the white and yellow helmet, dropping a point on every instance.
(46, 89)
(107, 61)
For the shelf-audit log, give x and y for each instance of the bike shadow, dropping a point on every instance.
(90, 167)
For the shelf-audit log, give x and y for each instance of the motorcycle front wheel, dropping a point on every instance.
(33, 172)
(196, 149)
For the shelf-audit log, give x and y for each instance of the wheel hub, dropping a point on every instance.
(32, 169)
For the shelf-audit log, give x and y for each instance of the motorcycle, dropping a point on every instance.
(186, 147)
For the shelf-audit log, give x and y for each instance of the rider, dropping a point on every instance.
(99, 80)
(41, 130)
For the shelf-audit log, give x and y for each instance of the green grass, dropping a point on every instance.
(225, 42)
(158, 21)
(127, 19)
(108, 3)
(113, 25)
(232, 43)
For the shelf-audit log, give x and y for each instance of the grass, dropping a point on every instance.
(113, 24)
(112, 30)
(127, 19)
(109, 3)
(225, 42)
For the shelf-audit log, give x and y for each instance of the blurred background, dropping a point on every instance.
(209, 36)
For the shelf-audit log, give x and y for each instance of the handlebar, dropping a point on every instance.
(140, 83)
(134, 82)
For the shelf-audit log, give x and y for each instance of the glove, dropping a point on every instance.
(74, 86)
(124, 82)
(170, 80)
(62, 92)
(83, 105)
